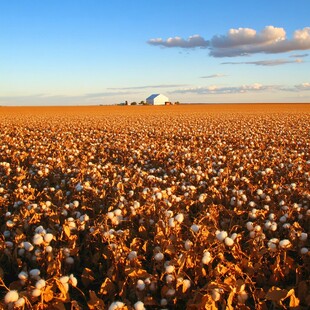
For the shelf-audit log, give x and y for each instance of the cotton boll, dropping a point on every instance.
(48, 237)
(179, 218)
(34, 273)
(20, 302)
(273, 226)
(169, 279)
(171, 223)
(116, 305)
(159, 256)
(139, 305)
(195, 228)
(221, 235)
(229, 242)
(23, 276)
(304, 251)
(73, 280)
(242, 297)
(132, 255)
(303, 236)
(285, 243)
(27, 246)
(170, 292)
(215, 294)
(6, 233)
(249, 226)
(48, 249)
(36, 292)
(37, 239)
(169, 269)
(163, 302)
(186, 285)
(69, 260)
(11, 296)
(64, 279)
(188, 244)
(140, 285)
(206, 258)
(40, 284)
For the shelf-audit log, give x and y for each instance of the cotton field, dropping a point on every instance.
(180, 207)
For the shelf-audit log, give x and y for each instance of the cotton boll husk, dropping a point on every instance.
(11, 296)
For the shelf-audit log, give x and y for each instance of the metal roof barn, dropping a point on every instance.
(157, 99)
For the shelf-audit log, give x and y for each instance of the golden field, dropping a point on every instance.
(140, 207)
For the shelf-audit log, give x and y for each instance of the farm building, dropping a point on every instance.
(157, 99)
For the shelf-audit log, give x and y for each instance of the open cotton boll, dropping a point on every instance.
(304, 251)
(284, 244)
(73, 280)
(206, 258)
(195, 228)
(249, 226)
(64, 279)
(20, 302)
(37, 239)
(40, 284)
(159, 256)
(69, 260)
(170, 292)
(34, 273)
(116, 305)
(11, 296)
(48, 237)
(36, 292)
(169, 269)
(179, 218)
(23, 276)
(140, 285)
(139, 305)
(221, 235)
(303, 236)
(188, 244)
(171, 223)
(242, 297)
(186, 285)
(132, 255)
(215, 294)
(169, 278)
(229, 242)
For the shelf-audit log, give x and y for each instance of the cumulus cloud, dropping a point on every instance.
(244, 41)
(213, 76)
(303, 86)
(274, 62)
(256, 87)
(192, 42)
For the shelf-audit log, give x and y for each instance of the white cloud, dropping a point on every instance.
(303, 86)
(148, 86)
(256, 87)
(191, 42)
(244, 41)
(273, 62)
(213, 76)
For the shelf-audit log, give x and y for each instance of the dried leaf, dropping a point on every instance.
(87, 277)
(94, 302)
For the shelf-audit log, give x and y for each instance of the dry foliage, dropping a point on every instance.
(200, 207)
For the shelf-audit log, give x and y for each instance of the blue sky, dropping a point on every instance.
(56, 52)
